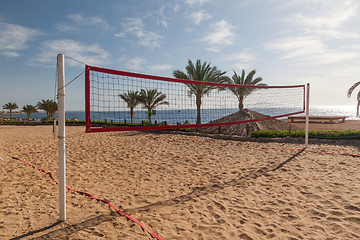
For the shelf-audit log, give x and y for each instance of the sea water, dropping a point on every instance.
(207, 115)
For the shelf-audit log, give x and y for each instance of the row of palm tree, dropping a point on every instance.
(194, 72)
(49, 106)
(149, 98)
(205, 73)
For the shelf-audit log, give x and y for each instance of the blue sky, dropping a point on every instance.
(286, 41)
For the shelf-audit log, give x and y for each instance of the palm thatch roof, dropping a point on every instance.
(241, 129)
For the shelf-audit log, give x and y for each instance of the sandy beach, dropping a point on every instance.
(178, 186)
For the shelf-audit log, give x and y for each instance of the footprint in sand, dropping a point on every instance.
(336, 213)
(220, 206)
(311, 195)
(334, 219)
(353, 219)
(244, 236)
(352, 208)
(336, 227)
(317, 214)
(259, 231)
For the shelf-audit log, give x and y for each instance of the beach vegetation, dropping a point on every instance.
(322, 134)
(200, 72)
(49, 106)
(10, 106)
(132, 99)
(29, 109)
(242, 93)
(151, 99)
(350, 91)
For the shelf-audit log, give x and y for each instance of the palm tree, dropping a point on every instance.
(132, 100)
(351, 89)
(49, 106)
(242, 93)
(52, 109)
(200, 72)
(29, 109)
(10, 106)
(151, 99)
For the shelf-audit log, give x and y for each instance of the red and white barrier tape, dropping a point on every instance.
(154, 235)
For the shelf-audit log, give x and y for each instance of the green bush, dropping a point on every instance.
(339, 134)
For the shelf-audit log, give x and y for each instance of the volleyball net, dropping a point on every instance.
(125, 101)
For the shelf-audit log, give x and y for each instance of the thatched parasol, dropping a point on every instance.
(241, 129)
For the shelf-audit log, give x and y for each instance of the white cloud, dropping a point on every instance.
(239, 60)
(319, 34)
(214, 49)
(14, 38)
(196, 2)
(221, 34)
(244, 56)
(310, 50)
(136, 27)
(140, 64)
(65, 28)
(177, 8)
(89, 54)
(327, 20)
(161, 67)
(86, 21)
(200, 16)
(240, 66)
(294, 47)
(135, 64)
(162, 17)
(79, 23)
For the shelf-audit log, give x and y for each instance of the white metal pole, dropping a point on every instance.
(61, 137)
(307, 115)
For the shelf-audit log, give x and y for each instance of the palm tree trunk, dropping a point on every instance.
(149, 115)
(28, 117)
(10, 114)
(241, 103)
(198, 109)
(131, 114)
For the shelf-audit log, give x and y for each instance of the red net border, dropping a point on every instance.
(141, 128)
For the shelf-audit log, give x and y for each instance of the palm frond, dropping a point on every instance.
(180, 75)
(256, 81)
(352, 88)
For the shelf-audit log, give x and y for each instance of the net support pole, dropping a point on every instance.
(61, 137)
(307, 115)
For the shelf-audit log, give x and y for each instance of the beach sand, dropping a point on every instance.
(178, 186)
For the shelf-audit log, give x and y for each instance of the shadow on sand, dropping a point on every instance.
(197, 192)
(36, 231)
